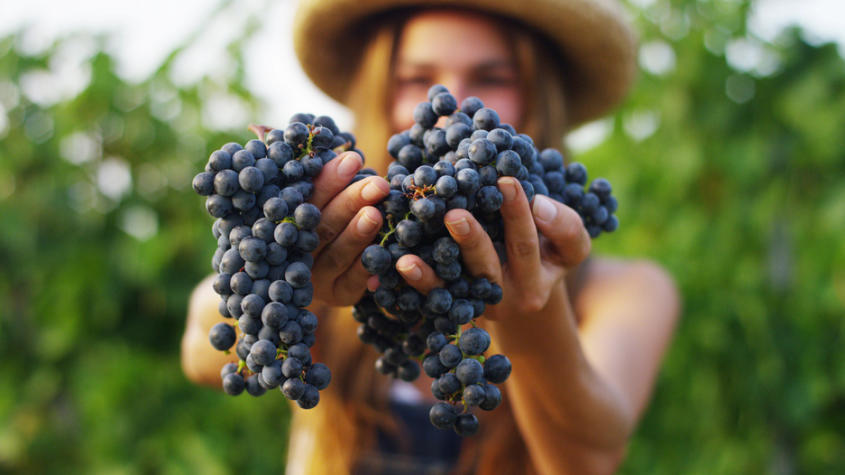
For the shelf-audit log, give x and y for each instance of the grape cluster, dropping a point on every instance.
(265, 236)
(434, 170)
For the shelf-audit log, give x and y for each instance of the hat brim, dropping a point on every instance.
(593, 38)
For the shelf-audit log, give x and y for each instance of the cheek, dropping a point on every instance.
(508, 104)
(402, 116)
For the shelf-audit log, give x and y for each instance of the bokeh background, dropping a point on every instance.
(728, 160)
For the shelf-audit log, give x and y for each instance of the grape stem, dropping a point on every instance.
(260, 130)
(392, 228)
(289, 219)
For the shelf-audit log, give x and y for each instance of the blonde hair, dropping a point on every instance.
(343, 426)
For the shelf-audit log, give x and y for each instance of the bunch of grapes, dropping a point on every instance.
(437, 169)
(265, 236)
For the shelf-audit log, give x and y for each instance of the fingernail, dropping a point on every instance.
(544, 209)
(348, 166)
(366, 224)
(410, 271)
(373, 283)
(371, 191)
(508, 189)
(459, 226)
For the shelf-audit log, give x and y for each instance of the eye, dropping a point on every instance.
(413, 80)
(496, 80)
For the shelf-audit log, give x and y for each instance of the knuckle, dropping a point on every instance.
(352, 153)
(492, 271)
(335, 260)
(521, 248)
(326, 232)
(352, 203)
(475, 237)
(533, 302)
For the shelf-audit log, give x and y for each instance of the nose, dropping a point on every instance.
(456, 85)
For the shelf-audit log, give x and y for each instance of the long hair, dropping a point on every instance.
(331, 438)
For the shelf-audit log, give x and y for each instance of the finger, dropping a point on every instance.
(340, 210)
(477, 249)
(350, 285)
(334, 177)
(521, 240)
(373, 283)
(417, 273)
(567, 242)
(339, 255)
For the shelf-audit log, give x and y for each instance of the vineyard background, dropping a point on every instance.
(728, 160)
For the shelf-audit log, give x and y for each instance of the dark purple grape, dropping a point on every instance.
(471, 105)
(222, 336)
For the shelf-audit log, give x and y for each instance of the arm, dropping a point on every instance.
(201, 363)
(628, 309)
(576, 393)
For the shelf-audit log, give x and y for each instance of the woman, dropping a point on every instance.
(585, 336)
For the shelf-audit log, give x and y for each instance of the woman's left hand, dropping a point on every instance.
(536, 264)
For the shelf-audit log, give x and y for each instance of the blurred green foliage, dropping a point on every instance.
(102, 240)
(728, 173)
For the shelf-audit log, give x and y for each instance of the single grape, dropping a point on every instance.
(450, 355)
(466, 425)
(471, 105)
(293, 388)
(297, 274)
(253, 387)
(469, 371)
(474, 341)
(442, 415)
(307, 216)
(497, 368)
(222, 336)
(319, 376)
(233, 384)
(474, 395)
(486, 119)
(263, 352)
(424, 115)
(492, 398)
(376, 259)
(291, 368)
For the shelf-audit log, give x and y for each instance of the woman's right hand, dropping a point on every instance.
(348, 225)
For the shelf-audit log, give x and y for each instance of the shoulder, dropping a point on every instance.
(200, 362)
(642, 283)
(203, 305)
(604, 269)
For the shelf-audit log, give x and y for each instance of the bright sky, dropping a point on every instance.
(146, 31)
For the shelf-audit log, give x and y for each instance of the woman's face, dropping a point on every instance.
(464, 51)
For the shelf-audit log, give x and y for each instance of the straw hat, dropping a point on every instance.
(593, 37)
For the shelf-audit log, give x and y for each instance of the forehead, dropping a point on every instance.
(451, 37)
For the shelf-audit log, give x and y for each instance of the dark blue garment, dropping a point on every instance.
(418, 449)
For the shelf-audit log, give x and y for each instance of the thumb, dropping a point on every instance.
(567, 242)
